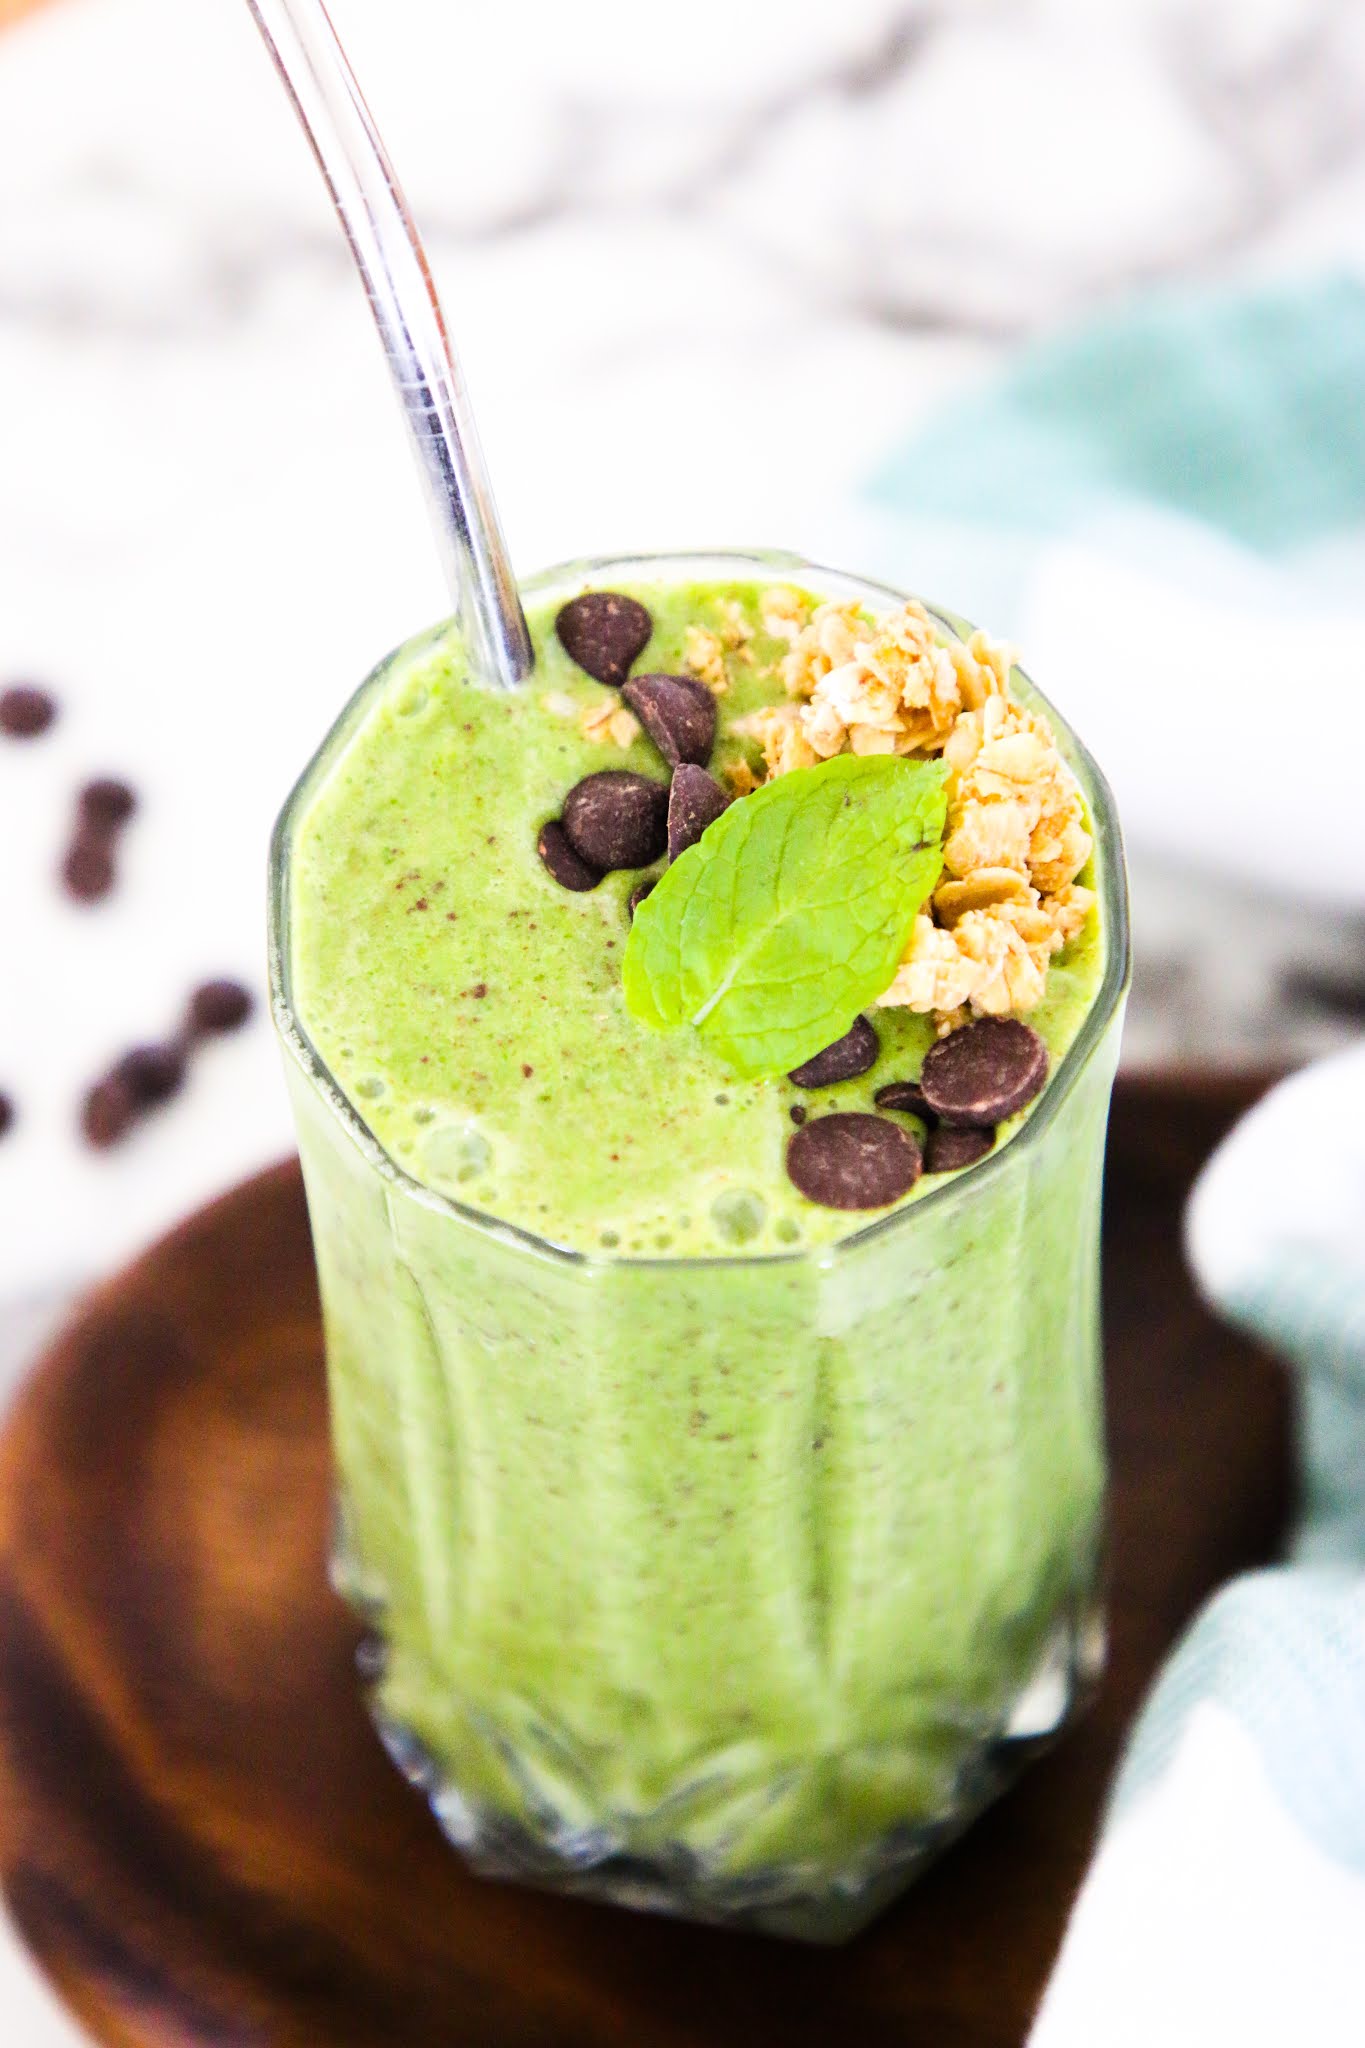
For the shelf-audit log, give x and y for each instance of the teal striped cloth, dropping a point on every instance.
(1247, 1763)
(1213, 443)
(1242, 410)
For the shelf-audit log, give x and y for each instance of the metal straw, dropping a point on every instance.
(389, 255)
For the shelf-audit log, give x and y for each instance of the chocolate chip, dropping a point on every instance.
(26, 711)
(984, 1072)
(948, 1147)
(639, 893)
(853, 1054)
(6, 1112)
(797, 1113)
(218, 1006)
(88, 870)
(853, 1161)
(102, 809)
(105, 804)
(604, 633)
(616, 819)
(108, 1112)
(678, 713)
(564, 864)
(151, 1073)
(695, 801)
(906, 1096)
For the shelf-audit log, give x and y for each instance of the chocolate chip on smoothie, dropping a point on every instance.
(604, 633)
(564, 864)
(26, 711)
(853, 1161)
(906, 1096)
(216, 1006)
(6, 1112)
(678, 713)
(853, 1054)
(105, 804)
(985, 1072)
(639, 893)
(617, 819)
(695, 800)
(88, 870)
(950, 1146)
(108, 1112)
(151, 1073)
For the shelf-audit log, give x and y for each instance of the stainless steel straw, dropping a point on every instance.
(398, 281)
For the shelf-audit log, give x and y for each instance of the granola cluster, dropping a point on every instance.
(1015, 840)
(705, 650)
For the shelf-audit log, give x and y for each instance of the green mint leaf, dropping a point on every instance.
(791, 912)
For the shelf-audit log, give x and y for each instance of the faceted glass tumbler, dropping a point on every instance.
(730, 1587)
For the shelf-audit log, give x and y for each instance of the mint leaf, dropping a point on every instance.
(791, 912)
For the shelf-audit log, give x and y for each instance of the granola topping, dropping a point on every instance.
(1016, 838)
(610, 723)
(784, 611)
(704, 657)
(735, 630)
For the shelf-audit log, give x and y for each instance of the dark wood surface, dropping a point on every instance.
(202, 1840)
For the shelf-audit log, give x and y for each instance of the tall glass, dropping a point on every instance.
(731, 1586)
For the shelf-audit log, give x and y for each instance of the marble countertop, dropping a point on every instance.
(704, 265)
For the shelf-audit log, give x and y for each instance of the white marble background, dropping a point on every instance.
(704, 263)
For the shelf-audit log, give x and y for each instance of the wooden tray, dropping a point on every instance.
(201, 1838)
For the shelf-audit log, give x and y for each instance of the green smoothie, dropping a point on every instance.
(726, 1547)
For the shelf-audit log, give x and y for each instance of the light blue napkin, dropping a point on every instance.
(1217, 439)
(1231, 1866)
(1183, 431)
(1244, 410)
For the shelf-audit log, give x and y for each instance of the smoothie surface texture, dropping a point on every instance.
(471, 1008)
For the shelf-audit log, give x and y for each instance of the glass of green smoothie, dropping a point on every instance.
(718, 1433)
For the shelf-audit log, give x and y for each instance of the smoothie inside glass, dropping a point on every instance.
(722, 1551)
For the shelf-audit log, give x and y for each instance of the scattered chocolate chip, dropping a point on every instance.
(105, 804)
(108, 1112)
(564, 864)
(678, 713)
(853, 1054)
(853, 1161)
(88, 870)
(639, 893)
(151, 1073)
(26, 711)
(906, 1096)
(797, 1113)
(102, 809)
(6, 1112)
(695, 801)
(218, 1006)
(604, 633)
(148, 1075)
(985, 1072)
(617, 819)
(947, 1147)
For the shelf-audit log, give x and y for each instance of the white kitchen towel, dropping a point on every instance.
(1226, 1902)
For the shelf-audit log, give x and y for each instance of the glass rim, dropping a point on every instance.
(680, 565)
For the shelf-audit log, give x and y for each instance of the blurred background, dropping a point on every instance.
(1047, 309)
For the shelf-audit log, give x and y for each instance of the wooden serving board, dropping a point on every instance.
(202, 1839)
